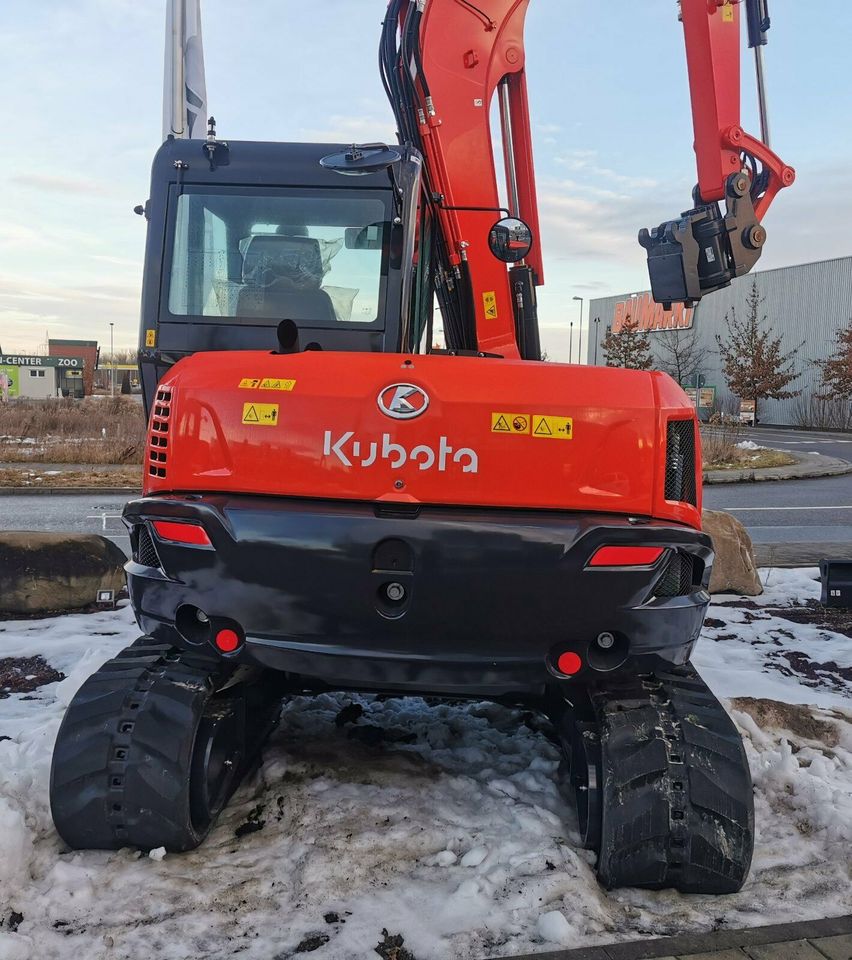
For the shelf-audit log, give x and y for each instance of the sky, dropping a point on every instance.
(81, 95)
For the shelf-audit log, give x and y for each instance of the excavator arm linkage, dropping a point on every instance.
(704, 249)
(443, 63)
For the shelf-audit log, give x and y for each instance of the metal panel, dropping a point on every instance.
(805, 304)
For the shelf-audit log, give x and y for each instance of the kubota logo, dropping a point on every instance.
(403, 401)
(362, 453)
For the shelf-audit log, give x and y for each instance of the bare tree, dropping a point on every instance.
(628, 348)
(681, 355)
(837, 369)
(757, 366)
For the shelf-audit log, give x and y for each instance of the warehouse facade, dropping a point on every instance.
(809, 303)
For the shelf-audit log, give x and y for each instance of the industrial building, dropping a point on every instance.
(809, 303)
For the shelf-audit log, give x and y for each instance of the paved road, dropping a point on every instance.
(794, 511)
(803, 441)
(71, 513)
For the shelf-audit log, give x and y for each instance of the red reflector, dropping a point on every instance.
(626, 556)
(569, 663)
(227, 641)
(192, 533)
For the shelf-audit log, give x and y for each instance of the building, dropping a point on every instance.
(39, 378)
(809, 303)
(87, 349)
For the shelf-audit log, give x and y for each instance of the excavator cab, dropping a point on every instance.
(245, 237)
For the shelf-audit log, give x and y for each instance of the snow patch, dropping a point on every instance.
(453, 835)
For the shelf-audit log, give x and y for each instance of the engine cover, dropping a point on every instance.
(442, 430)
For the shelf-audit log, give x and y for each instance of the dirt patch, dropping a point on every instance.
(814, 613)
(313, 942)
(129, 477)
(391, 947)
(819, 674)
(25, 674)
(794, 717)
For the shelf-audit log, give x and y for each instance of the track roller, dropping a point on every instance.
(153, 746)
(662, 784)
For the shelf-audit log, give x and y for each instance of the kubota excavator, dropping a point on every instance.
(331, 503)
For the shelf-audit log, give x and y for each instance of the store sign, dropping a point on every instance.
(649, 315)
(748, 410)
(74, 363)
(708, 396)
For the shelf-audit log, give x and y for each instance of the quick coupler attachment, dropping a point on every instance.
(703, 250)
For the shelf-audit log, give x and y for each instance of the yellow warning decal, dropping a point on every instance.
(267, 383)
(276, 384)
(260, 414)
(150, 338)
(728, 13)
(489, 304)
(554, 428)
(510, 423)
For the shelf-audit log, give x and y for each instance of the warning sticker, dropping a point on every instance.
(274, 384)
(728, 13)
(267, 383)
(489, 304)
(150, 338)
(510, 423)
(260, 414)
(556, 428)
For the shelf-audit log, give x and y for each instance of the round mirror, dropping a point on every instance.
(510, 240)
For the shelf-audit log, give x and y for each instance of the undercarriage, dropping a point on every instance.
(314, 596)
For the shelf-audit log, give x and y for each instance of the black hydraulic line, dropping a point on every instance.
(489, 23)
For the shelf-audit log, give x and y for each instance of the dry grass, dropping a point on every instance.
(722, 453)
(95, 430)
(129, 478)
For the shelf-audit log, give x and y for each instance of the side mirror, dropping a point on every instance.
(510, 240)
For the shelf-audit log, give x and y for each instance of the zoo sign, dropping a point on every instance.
(72, 363)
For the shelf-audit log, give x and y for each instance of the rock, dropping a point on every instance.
(56, 572)
(734, 570)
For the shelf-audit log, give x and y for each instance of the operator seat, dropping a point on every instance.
(283, 279)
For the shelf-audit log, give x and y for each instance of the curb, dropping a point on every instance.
(785, 936)
(68, 491)
(810, 465)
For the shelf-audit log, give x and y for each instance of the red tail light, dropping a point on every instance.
(190, 533)
(626, 556)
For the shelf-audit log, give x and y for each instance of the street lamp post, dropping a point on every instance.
(580, 337)
(597, 320)
(571, 342)
(111, 362)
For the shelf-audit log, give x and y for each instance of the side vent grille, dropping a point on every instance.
(680, 462)
(158, 436)
(146, 552)
(678, 579)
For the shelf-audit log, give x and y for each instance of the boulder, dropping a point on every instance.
(734, 569)
(56, 572)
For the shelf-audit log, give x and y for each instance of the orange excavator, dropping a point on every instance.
(333, 503)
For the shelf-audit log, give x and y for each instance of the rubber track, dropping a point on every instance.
(120, 774)
(677, 800)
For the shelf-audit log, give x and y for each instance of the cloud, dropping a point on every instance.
(340, 128)
(51, 184)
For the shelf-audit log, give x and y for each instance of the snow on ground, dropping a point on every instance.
(441, 823)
